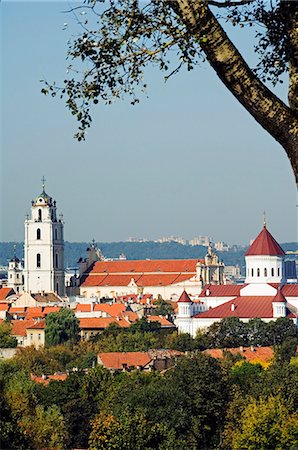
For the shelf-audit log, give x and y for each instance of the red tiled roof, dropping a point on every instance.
(17, 309)
(290, 290)
(144, 272)
(37, 325)
(264, 354)
(222, 290)
(5, 292)
(265, 244)
(47, 378)
(116, 360)
(244, 307)
(113, 310)
(4, 306)
(184, 298)
(83, 307)
(51, 309)
(161, 319)
(279, 298)
(130, 316)
(102, 322)
(19, 327)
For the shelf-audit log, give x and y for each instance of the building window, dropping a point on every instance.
(10, 276)
(56, 233)
(56, 260)
(258, 272)
(39, 215)
(272, 272)
(278, 272)
(39, 336)
(38, 260)
(57, 287)
(18, 275)
(252, 272)
(265, 272)
(38, 233)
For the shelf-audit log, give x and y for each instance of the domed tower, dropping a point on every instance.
(44, 247)
(265, 260)
(15, 274)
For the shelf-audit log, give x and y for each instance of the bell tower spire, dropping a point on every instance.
(44, 246)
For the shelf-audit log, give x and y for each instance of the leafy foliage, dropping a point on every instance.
(61, 327)
(6, 340)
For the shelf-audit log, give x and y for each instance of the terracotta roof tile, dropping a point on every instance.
(19, 327)
(244, 307)
(144, 272)
(83, 307)
(184, 298)
(4, 306)
(265, 244)
(116, 360)
(113, 310)
(264, 354)
(290, 290)
(222, 290)
(102, 322)
(165, 323)
(5, 292)
(37, 325)
(47, 378)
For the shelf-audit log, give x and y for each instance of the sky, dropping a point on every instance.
(187, 161)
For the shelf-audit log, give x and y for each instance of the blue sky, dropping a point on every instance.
(187, 161)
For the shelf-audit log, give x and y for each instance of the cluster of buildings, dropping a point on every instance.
(200, 240)
(121, 291)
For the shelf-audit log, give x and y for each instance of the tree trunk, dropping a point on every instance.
(269, 111)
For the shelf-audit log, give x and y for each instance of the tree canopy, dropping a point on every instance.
(61, 327)
(120, 39)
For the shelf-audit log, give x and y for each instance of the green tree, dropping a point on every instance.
(130, 35)
(229, 332)
(163, 308)
(202, 383)
(181, 341)
(258, 333)
(282, 329)
(46, 428)
(266, 424)
(6, 340)
(61, 327)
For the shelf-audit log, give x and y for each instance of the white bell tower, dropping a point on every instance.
(44, 247)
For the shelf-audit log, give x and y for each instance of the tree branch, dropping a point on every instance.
(228, 3)
(267, 109)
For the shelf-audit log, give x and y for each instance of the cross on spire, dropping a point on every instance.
(264, 219)
(43, 180)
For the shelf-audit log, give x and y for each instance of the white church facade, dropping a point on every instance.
(44, 247)
(266, 293)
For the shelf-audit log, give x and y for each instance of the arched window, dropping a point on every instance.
(252, 272)
(265, 272)
(258, 272)
(38, 233)
(56, 260)
(278, 272)
(39, 215)
(272, 272)
(38, 260)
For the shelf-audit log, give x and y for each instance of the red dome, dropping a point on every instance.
(265, 244)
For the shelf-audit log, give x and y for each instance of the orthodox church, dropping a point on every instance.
(266, 293)
(44, 250)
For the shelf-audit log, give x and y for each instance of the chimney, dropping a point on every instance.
(233, 307)
(241, 348)
(252, 349)
(207, 292)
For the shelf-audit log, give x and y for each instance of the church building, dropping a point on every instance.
(44, 247)
(268, 292)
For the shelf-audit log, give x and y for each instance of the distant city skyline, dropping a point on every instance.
(187, 161)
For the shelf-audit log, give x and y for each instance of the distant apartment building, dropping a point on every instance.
(200, 240)
(222, 246)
